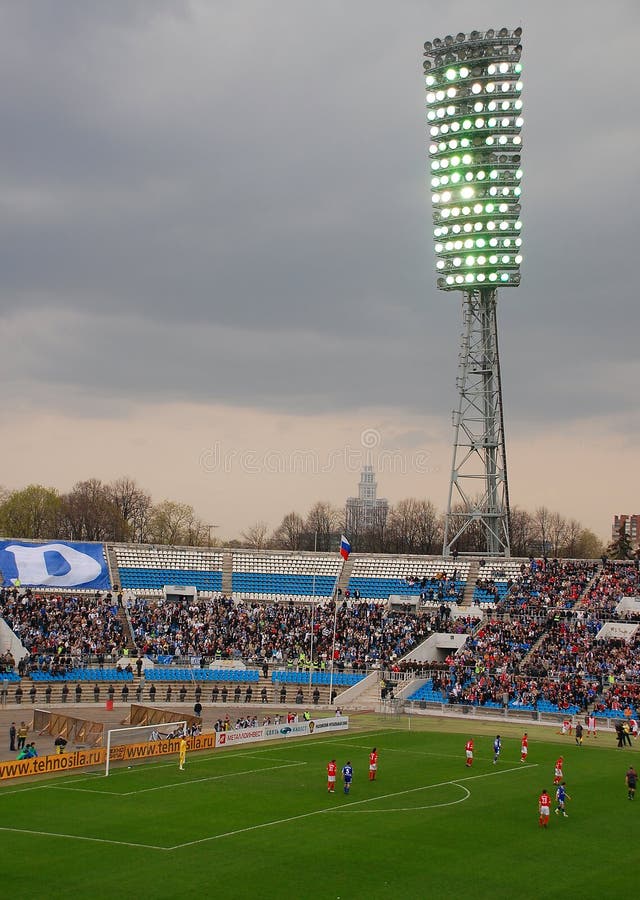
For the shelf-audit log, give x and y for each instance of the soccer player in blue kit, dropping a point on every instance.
(497, 747)
(347, 776)
(561, 796)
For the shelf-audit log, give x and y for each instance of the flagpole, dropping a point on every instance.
(313, 602)
(335, 625)
(345, 550)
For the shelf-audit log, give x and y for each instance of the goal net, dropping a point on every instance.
(140, 743)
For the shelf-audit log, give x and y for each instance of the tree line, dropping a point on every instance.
(96, 511)
(122, 511)
(415, 526)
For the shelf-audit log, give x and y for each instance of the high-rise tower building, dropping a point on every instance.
(366, 512)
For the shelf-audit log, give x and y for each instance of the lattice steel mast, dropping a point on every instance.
(479, 469)
(474, 110)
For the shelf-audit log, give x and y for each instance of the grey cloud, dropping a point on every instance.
(231, 203)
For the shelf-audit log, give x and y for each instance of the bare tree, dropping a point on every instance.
(89, 513)
(429, 527)
(255, 537)
(134, 505)
(521, 531)
(322, 522)
(289, 533)
(542, 532)
(402, 526)
(557, 532)
(414, 526)
(571, 539)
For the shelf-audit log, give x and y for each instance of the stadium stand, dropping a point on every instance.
(84, 674)
(488, 669)
(143, 568)
(54, 626)
(300, 677)
(203, 675)
(616, 581)
(495, 577)
(279, 632)
(532, 630)
(433, 580)
(270, 576)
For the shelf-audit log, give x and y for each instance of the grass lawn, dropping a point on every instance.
(258, 822)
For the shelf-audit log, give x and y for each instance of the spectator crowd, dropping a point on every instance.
(539, 642)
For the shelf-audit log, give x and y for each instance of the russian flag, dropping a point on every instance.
(345, 548)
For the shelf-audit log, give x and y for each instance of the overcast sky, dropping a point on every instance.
(216, 253)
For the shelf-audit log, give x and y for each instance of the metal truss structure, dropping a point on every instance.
(478, 492)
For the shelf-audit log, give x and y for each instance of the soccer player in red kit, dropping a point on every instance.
(524, 748)
(544, 805)
(373, 764)
(469, 752)
(557, 776)
(331, 776)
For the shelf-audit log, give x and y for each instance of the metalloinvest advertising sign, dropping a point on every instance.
(78, 759)
(284, 730)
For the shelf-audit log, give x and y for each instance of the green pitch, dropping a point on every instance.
(258, 822)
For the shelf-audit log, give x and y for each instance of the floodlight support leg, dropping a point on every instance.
(478, 505)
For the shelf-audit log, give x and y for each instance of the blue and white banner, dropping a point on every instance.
(54, 564)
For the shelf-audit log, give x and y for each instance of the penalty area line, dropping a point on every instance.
(319, 812)
(81, 837)
(182, 783)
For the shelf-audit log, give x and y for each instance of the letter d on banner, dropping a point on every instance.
(74, 567)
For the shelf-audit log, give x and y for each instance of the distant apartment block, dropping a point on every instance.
(631, 526)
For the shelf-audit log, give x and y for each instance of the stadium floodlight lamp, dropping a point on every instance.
(474, 83)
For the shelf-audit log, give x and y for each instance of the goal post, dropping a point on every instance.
(138, 743)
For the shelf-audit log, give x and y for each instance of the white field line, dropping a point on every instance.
(215, 837)
(319, 812)
(467, 794)
(181, 783)
(421, 752)
(214, 756)
(367, 747)
(78, 837)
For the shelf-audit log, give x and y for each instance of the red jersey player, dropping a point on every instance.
(524, 747)
(331, 776)
(557, 772)
(544, 805)
(373, 764)
(469, 752)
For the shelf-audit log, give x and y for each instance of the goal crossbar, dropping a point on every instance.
(143, 741)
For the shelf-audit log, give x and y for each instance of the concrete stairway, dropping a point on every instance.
(580, 602)
(472, 577)
(112, 565)
(345, 575)
(227, 572)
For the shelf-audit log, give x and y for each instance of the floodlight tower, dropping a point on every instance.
(474, 111)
